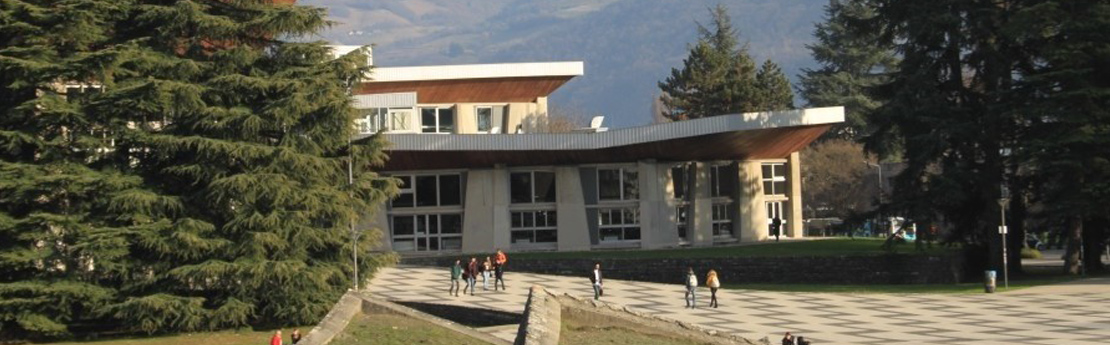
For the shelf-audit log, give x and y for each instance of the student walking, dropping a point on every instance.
(691, 288)
(713, 283)
(788, 339)
(276, 339)
(471, 275)
(802, 341)
(456, 273)
(499, 262)
(486, 269)
(595, 279)
(296, 336)
(776, 227)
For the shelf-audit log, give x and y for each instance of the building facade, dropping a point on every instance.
(479, 173)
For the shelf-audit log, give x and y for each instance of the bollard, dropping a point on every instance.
(989, 278)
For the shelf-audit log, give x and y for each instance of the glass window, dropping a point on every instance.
(405, 197)
(520, 187)
(679, 180)
(774, 179)
(403, 225)
(437, 120)
(681, 220)
(485, 118)
(544, 186)
(619, 224)
(617, 184)
(532, 187)
(722, 221)
(426, 191)
(446, 120)
(427, 232)
(450, 190)
(533, 227)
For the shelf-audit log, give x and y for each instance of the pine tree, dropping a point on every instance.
(852, 62)
(773, 87)
(204, 186)
(718, 77)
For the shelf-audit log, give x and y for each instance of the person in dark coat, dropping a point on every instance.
(788, 339)
(776, 227)
(471, 275)
(456, 273)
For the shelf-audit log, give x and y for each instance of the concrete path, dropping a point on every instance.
(1071, 314)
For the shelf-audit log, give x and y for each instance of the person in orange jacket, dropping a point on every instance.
(499, 269)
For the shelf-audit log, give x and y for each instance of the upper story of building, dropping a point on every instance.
(502, 98)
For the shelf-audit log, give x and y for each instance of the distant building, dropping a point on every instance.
(477, 176)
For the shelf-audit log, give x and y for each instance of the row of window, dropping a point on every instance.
(438, 120)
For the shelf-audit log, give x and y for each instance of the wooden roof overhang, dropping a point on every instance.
(477, 90)
(771, 143)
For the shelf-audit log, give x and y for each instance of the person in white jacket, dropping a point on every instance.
(713, 283)
(691, 288)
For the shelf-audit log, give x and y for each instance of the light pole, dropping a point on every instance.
(1002, 202)
(879, 211)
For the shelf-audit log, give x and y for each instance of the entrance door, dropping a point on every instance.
(774, 209)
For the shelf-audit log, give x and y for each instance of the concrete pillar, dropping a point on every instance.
(478, 213)
(502, 238)
(795, 228)
(752, 219)
(657, 226)
(700, 221)
(570, 208)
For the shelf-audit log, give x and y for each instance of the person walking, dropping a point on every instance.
(296, 336)
(595, 279)
(486, 270)
(776, 227)
(499, 262)
(276, 339)
(802, 341)
(691, 288)
(456, 273)
(471, 275)
(713, 283)
(788, 339)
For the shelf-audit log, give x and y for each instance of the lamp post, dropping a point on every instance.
(1002, 202)
(879, 165)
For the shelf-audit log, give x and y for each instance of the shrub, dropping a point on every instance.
(1030, 253)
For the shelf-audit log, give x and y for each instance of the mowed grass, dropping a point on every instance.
(823, 247)
(394, 329)
(232, 337)
(577, 331)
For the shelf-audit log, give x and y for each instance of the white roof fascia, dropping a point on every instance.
(481, 71)
(617, 137)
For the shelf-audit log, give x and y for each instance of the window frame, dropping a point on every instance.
(532, 194)
(412, 189)
(775, 178)
(624, 226)
(622, 173)
(550, 223)
(437, 127)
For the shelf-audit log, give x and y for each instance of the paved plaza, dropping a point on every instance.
(1072, 314)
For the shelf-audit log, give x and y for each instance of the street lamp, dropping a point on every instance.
(1002, 202)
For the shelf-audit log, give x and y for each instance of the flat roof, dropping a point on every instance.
(477, 71)
(759, 135)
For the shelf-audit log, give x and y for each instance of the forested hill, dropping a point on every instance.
(628, 45)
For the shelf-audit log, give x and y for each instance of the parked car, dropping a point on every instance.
(1032, 241)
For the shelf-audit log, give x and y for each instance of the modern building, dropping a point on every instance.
(478, 174)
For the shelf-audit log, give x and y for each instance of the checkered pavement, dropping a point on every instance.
(1046, 315)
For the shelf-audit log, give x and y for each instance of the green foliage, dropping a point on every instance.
(1030, 253)
(193, 174)
(852, 62)
(719, 77)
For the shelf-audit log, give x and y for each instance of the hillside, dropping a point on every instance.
(628, 45)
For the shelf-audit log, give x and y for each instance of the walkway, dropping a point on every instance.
(1044, 315)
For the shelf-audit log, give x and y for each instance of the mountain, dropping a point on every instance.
(627, 45)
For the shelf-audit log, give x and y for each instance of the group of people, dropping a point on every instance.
(490, 269)
(691, 282)
(788, 339)
(295, 337)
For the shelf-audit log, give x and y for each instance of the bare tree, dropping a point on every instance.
(834, 179)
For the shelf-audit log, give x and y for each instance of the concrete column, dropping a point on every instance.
(795, 227)
(752, 219)
(570, 207)
(478, 212)
(502, 238)
(657, 226)
(700, 222)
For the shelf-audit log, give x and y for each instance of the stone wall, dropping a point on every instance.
(880, 269)
(542, 319)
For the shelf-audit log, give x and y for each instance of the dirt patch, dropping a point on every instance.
(582, 327)
(394, 329)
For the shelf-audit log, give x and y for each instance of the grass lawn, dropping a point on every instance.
(234, 337)
(829, 247)
(964, 288)
(394, 329)
(581, 331)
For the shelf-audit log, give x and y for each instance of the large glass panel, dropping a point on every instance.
(450, 190)
(529, 220)
(433, 224)
(451, 243)
(678, 181)
(609, 234)
(422, 224)
(609, 184)
(522, 236)
(426, 191)
(780, 187)
(767, 171)
(631, 233)
(403, 200)
(545, 186)
(715, 181)
(404, 245)
(451, 223)
(485, 118)
(446, 120)
(520, 187)
(517, 220)
(402, 225)
(546, 236)
(631, 187)
(428, 120)
(768, 187)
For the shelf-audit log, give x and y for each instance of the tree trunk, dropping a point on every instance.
(1094, 246)
(1074, 233)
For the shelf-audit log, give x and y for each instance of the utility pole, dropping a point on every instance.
(1002, 202)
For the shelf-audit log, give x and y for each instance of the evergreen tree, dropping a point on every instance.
(852, 62)
(717, 78)
(204, 186)
(773, 88)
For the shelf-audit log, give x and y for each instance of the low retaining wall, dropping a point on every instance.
(542, 319)
(879, 269)
(353, 303)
